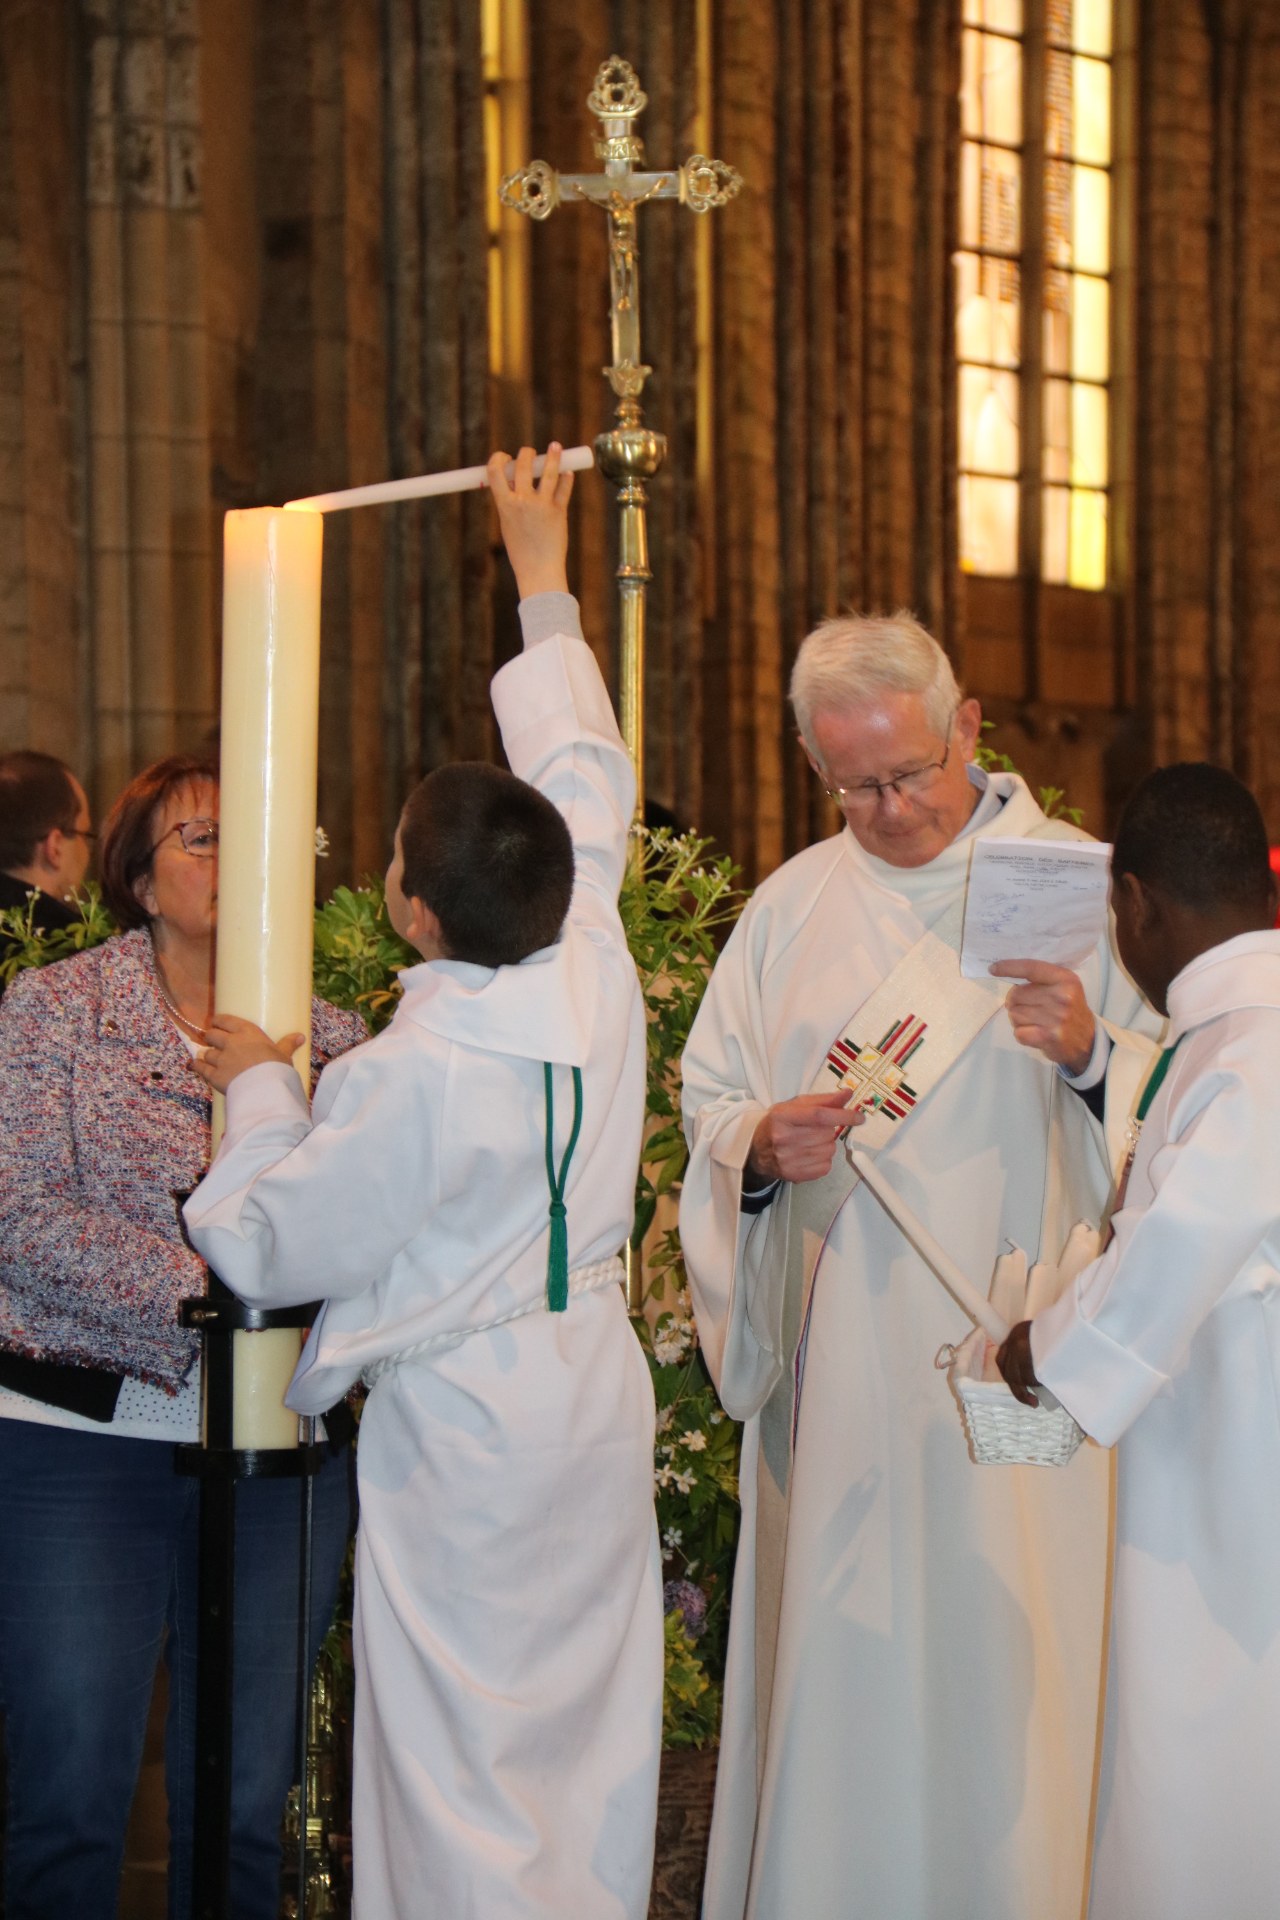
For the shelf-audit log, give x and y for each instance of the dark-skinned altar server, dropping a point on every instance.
(1168, 1349)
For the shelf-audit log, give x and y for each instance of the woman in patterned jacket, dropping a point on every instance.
(103, 1129)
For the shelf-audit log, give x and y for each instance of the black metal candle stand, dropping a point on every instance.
(219, 1465)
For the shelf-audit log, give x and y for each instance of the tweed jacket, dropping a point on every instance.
(103, 1130)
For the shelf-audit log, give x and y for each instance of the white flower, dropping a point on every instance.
(672, 1342)
(672, 1537)
(665, 1416)
(686, 1481)
(663, 1477)
(695, 1442)
(717, 1417)
(322, 844)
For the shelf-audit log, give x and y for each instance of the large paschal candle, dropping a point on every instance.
(266, 876)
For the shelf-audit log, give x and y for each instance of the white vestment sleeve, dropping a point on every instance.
(726, 1093)
(1124, 1326)
(300, 1207)
(560, 734)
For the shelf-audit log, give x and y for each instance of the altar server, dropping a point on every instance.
(458, 1196)
(915, 1645)
(1168, 1348)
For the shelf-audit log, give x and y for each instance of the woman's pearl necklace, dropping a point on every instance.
(177, 1012)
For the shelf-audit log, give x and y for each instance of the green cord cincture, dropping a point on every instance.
(558, 1249)
(1156, 1081)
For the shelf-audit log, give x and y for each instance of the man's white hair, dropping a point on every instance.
(852, 659)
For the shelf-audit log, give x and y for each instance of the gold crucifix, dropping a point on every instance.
(630, 453)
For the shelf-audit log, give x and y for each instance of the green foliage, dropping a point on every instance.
(359, 954)
(695, 1471)
(1052, 799)
(23, 944)
(673, 909)
(690, 1700)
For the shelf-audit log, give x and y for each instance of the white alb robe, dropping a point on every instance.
(933, 1711)
(1169, 1345)
(508, 1632)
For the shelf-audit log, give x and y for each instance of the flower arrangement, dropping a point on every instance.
(676, 905)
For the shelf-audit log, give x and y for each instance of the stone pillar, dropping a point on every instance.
(44, 693)
(151, 617)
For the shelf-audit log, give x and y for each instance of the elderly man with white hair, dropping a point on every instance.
(915, 1649)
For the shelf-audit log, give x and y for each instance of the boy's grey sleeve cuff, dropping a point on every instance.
(544, 614)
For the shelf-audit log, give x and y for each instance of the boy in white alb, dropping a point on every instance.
(1168, 1348)
(457, 1196)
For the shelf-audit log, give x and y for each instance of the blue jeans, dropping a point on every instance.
(98, 1540)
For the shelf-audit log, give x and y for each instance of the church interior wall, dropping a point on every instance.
(245, 254)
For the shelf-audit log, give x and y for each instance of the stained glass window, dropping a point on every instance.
(1065, 162)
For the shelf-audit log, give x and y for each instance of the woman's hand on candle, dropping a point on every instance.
(235, 1045)
(534, 517)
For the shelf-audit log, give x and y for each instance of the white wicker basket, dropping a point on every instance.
(1002, 1432)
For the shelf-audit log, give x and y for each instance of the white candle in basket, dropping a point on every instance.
(1043, 1287)
(1084, 1243)
(1009, 1286)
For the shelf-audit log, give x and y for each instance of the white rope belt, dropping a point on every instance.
(589, 1279)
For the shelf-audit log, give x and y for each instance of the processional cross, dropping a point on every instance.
(630, 453)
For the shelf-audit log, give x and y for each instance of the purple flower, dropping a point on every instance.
(681, 1596)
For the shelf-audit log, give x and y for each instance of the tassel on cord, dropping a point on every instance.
(558, 1244)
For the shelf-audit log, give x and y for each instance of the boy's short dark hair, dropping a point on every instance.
(491, 857)
(1197, 833)
(36, 795)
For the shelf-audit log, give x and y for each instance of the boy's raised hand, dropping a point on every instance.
(534, 516)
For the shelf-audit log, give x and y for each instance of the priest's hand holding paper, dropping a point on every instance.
(233, 1045)
(1047, 900)
(1049, 1011)
(796, 1140)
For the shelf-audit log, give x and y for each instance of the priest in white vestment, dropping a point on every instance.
(508, 1618)
(915, 1643)
(1168, 1348)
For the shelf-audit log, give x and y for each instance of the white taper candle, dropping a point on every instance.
(424, 486)
(962, 1290)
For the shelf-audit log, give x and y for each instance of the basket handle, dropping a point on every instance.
(961, 1289)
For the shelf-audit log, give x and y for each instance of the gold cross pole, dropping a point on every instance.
(630, 453)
